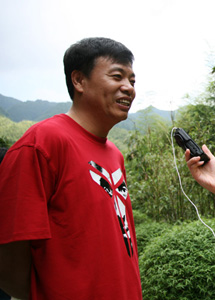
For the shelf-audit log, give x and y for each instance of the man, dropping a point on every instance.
(65, 212)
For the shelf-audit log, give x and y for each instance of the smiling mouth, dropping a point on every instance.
(124, 102)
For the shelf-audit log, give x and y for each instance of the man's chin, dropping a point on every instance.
(123, 116)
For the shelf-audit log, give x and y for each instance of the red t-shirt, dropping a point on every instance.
(64, 189)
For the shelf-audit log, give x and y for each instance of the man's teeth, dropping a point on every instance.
(125, 102)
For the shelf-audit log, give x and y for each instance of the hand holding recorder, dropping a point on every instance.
(201, 162)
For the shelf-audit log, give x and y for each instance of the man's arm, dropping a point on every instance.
(204, 175)
(15, 267)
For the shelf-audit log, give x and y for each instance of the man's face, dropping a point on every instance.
(109, 91)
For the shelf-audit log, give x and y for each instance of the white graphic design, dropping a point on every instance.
(120, 191)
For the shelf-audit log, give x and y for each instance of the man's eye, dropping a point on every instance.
(117, 76)
(132, 82)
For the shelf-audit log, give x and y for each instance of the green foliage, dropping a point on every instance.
(139, 217)
(11, 131)
(152, 179)
(118, 136)
(208, 96)
(151, 176)
(4, 142)
(149, 120)
(180, 264)
(153, 182)
(147, 231)
(199, 120)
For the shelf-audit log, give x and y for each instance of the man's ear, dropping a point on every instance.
(77, 80)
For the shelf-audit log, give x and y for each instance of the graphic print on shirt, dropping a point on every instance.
(116, 189)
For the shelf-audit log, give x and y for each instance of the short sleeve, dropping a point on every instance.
(26, 186)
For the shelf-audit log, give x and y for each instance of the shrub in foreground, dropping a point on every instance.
(148, 231)
(180, 264)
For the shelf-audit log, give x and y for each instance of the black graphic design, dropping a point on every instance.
(110, 183)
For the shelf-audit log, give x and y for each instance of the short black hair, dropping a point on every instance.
(83, 54)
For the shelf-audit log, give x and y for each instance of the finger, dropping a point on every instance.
(200, 163)
(187, 154)
(195, 161)
(207, 151)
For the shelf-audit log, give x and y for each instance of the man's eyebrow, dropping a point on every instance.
(120, 70)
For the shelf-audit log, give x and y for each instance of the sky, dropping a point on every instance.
(173, 42)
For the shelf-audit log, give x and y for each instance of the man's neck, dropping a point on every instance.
(88, 123)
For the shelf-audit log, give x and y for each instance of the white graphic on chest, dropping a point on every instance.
(114, 185)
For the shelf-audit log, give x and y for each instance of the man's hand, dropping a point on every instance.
(204, 175)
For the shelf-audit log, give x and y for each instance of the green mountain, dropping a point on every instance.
(17, 116)
(38, 110)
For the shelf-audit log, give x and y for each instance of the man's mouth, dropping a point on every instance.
(124, 102)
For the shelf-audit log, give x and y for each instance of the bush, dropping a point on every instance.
(180, 264)
(148, 231)
(140, 218)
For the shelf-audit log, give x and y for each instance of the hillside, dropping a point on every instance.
(17, 116)
(38, 110)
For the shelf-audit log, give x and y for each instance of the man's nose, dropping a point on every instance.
(128, 88)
